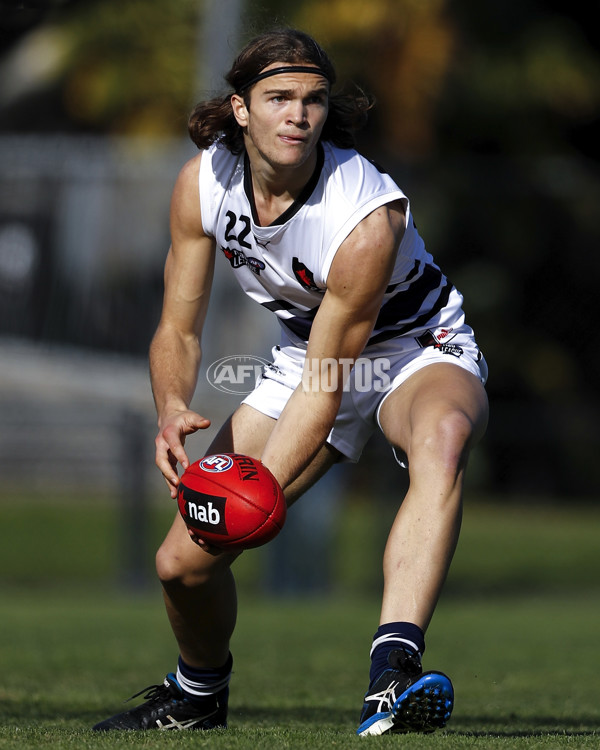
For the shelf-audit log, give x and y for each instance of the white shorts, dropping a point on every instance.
(377, 373)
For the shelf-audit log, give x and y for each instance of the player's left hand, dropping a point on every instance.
(210, 549)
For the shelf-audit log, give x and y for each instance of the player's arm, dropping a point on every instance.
(175, 349)
(356, 284)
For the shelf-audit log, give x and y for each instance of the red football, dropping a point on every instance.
(231, 501)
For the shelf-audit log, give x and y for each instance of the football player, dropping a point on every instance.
(326, 241)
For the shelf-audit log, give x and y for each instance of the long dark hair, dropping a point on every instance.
(213, 120)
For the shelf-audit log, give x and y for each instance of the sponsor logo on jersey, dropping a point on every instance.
(238, 259)
(260, 243)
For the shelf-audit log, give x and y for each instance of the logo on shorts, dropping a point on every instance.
(237, 373)
(453, 349)
(217, 463)
(440, 340)
(434, 338)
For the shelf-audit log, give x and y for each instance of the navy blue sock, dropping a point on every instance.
(391, 636)
(200, 684)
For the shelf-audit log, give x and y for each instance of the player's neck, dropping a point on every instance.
(275, 188)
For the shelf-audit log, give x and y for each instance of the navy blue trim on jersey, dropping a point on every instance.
(300, 324)
(411, 274)
(278, 304)
(406, 304)
(419, 322)
(398, 315)
(305, 193)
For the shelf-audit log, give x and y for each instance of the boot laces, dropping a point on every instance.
(156, 693)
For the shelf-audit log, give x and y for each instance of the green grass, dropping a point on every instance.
(517, 629)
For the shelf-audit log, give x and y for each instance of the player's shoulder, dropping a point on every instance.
(190, 169)
(185, 200)
(213, 157)
(350, 158)
(354, 172)
(186, 184)
(218, 167)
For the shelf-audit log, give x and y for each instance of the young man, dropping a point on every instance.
(322, 238)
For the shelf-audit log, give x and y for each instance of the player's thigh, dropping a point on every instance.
(435, 395)
(248, 430)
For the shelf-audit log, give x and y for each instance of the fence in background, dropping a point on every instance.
(83, 237)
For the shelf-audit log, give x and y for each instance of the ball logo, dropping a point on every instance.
(237, 373)
(217, 463)
(202, 511)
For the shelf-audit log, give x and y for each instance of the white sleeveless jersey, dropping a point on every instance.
(284, 266)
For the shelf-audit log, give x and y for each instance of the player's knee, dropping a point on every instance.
(168, 566)
(456, 432)
(175, 570)
(447, 443)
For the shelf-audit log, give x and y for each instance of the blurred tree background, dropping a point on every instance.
(487, 117)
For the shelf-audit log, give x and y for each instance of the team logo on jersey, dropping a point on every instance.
(304, 275)
(237, 259)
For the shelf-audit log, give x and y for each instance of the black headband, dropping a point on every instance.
(279, 71)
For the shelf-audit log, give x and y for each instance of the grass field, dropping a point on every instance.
(517, 630)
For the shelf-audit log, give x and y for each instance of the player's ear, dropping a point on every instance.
(240, 112)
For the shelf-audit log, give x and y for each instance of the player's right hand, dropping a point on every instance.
(170, 441)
